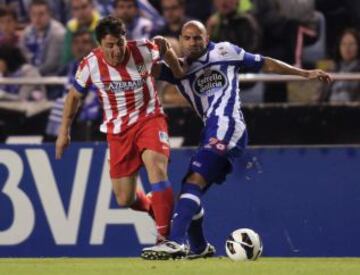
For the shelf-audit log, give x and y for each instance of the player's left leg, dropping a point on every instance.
(162, 197)
(152, 141)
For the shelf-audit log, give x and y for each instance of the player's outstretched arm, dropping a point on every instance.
(272, 65)
(71, 106)
(169, 56)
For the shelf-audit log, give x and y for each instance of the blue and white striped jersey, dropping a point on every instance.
(211, 86)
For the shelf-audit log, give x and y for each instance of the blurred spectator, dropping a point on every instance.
(280, 21)
(43, 39)
(85, 17)
(339, 14)
(137, 26)
(13, 64)
(20, 7)
(152, 13)
(347, 60)
(174, 15)
(199, 9)
(59, 10)
(82, 44)
(104, 7)
(8, 27)
(228, 24)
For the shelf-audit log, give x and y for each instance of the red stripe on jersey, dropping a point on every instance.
(157, 100)
(139, 61)
(105, 78)
(101, 101)
(153, 47)
(129, 94)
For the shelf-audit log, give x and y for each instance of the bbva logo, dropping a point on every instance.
(64, 225)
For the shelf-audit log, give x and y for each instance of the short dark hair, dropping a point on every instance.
(12, 56)
(181, 3)
(7, 11)
(109, 25)
(135, 2)
(40, 3)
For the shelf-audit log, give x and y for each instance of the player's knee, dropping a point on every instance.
(197, 179)
(124, 200)
(157, 167)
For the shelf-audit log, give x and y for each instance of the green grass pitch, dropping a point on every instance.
(214, 266)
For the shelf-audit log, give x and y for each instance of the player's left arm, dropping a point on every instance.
(271, 65)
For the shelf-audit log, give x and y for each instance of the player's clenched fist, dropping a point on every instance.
(162, 43)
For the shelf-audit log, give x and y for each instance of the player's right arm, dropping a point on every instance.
(80, 86)
(72, 103)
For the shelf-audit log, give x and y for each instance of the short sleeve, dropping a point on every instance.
(154, 50)
(248, 60)
(82, 80)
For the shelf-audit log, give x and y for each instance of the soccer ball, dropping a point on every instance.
(243, 244)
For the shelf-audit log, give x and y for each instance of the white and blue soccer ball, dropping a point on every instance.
(244, 244)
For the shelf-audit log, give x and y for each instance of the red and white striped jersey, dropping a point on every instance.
(126, 92)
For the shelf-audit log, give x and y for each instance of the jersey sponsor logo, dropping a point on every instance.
(120, 86)
(210, 81)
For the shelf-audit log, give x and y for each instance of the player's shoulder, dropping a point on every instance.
(226, 50)
(142, 44)
(89, 59)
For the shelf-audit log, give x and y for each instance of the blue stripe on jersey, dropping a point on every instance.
(197, 99)
(182, 91)
(229, 109)
(212, 123)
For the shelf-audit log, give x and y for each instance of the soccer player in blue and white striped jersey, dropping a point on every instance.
(211, 85)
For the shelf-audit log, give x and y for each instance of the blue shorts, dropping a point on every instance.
(214, 161)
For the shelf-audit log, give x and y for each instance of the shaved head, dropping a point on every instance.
(194, 24)
(193, 39)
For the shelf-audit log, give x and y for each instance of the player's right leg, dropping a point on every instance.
(206, 167)
(124, 162)
(127, 194)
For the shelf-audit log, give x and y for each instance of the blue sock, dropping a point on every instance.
(186, 208)
(196, 234)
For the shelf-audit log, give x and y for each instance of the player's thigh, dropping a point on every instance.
(153, 142)
(155, 164)
(125, 159)
(124, 189)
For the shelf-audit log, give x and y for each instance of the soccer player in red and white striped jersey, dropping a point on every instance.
(134, 121)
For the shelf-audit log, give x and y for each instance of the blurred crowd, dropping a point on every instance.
(48, 38)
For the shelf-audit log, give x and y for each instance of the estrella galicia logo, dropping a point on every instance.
(210, 81)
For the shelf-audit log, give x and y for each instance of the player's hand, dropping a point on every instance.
(162, 43)
(318, 74)
(62, 141)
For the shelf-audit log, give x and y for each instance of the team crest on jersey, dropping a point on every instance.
(141, 69)
(210, 81)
